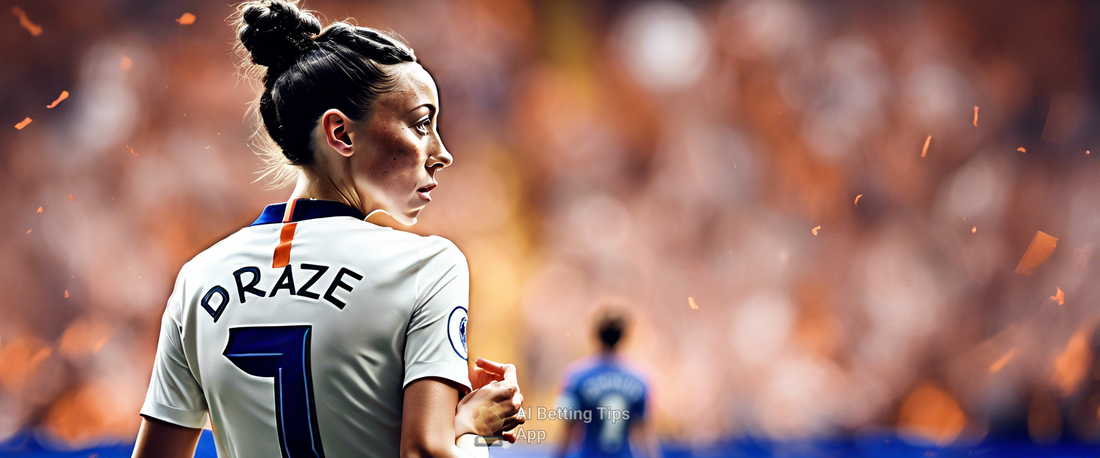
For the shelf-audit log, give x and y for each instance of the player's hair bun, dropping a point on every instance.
(276, 32)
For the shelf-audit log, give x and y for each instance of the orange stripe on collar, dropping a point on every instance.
(282, 251)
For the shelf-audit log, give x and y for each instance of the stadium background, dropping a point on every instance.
(848, 278)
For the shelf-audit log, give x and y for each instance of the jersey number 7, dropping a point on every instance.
(282, 352)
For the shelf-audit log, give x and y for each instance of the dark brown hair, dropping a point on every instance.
(611, 325)
(305, 71)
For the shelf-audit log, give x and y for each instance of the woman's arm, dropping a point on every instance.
(161, 439)
(428, 419)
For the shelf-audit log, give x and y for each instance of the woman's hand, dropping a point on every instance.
(495, 404)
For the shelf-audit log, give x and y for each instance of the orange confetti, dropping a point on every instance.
(974, 230)
(39, 210)
(66, 294)
(1087, 152)
(691, 303)
(64, 95)
(186, 19)
(25, 22)
(857, 199)
(975, 116)
(927, 142)
(23, 123)
(1000, 363)
(126, 64)
(1021, 149)
(71, 197)
(1042, 245)
(131, 150)
(28, 231)
(814, 230)
(1060, 296)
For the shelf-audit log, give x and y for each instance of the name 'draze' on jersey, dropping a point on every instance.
(248, 278)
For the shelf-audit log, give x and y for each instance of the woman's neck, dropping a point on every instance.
(310, 186)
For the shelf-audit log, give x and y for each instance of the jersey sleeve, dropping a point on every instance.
(435, 343)
(174, 395)
(568, 399)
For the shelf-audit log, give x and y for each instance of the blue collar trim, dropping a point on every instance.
(307, 209)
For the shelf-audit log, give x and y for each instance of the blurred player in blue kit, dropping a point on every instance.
(606, 400)
(313, 332)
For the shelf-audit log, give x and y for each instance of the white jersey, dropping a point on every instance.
(298, 334)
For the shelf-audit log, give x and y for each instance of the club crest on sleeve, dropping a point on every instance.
(456, 331)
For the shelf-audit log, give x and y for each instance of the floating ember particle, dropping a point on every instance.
(64, 95)
(1021, 149)
(66, 294)
(25, 22)
(71, 196)
(1060, 296)
(1000, 363)
(1071, 366)
(814, 230)
(1042, 245)
(126, 64)
(857, 199)
(23, 123)
(974, 230)
(975, 116)
(39, 209)
(1087, 152)
(28, 231)
(131, 150)
(927, 141)
(186, 19)
(691, 303)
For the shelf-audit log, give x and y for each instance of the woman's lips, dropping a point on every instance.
(424, 192)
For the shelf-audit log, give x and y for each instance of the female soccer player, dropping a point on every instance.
(311, 331)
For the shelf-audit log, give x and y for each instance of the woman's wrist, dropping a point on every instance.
(464, 418)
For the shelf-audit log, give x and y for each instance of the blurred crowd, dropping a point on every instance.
(842, 189)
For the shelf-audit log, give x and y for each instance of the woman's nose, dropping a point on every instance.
(441, 157)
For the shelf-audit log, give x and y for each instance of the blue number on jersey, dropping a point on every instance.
(282, 352)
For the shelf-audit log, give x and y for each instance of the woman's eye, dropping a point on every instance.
(423, 126)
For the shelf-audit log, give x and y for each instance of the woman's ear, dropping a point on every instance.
(336, 129)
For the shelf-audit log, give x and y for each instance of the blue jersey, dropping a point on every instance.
(607, 397)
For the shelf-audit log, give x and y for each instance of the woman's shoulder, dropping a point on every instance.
(428, 246)
(435, 249)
